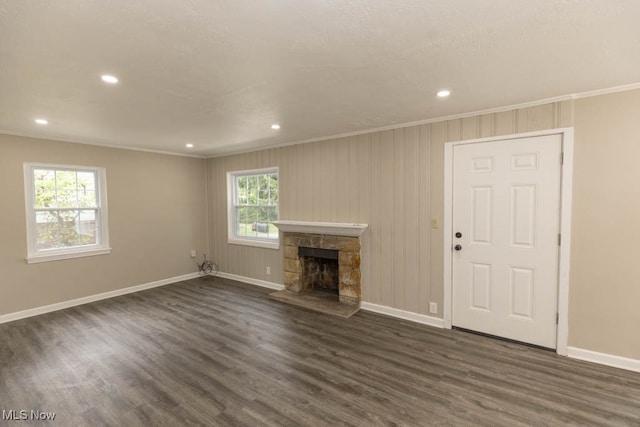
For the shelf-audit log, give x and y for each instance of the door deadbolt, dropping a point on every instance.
(458, 234)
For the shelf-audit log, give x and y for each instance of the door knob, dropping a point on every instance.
(457, 247)
(458, 234)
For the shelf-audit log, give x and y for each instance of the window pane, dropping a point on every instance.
(66, 189)
(66, 212)
(47, 235)
(263, 190)
(241, 224)
(87, 227)
(69, 224)
(241, 190)
(44, 184)
(272, 212)
(256, 198)
(87, 190)
(87, 180)
(246, 225)
(273, 185)
(259, 225)
(252, 220)
(252, 184)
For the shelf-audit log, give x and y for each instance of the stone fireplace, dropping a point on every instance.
(322, 265)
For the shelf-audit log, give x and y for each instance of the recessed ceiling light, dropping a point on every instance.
(42, 121)
(189, 145)
(275, 126)
(109, 79)
(443, 93)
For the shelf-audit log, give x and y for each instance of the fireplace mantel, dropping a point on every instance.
(332, 228)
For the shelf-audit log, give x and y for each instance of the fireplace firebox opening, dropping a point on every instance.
(319, 270)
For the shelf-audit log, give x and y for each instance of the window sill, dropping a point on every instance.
(256, 243)
(32, 259)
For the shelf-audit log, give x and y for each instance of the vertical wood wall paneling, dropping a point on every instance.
(454, 130)
(410, 220)
(373, 293)
(424, 217)
(505, 122)
(541, 117)
(470, 126)
(313, 164)
(565, 113)
(286, 178)
(438, 138)
(392, 180)
(304, 191)
(351, 184)
(360, 154)
(397, 177)
(343, 207)
(521, 120)
(385, 186)
(486, 125)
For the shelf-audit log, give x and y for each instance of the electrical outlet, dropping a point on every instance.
(433, 307)
(268, 270)
(193, 253)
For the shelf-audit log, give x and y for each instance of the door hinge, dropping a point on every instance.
(557, 318)
(559, 239)
(562, 158)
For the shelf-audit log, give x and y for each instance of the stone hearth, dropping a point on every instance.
(298, 289)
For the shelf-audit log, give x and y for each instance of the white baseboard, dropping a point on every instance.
(375, 308)
(402, 314)
(604, 359)
(251, 281)
(91, 298)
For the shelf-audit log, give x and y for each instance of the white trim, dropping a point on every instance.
(256, 243)
(569, 97)
(98, 144)
(565, 246)
(565, 224)
(606, 91)
(251, 281)
(102, 216)
(92, 298)
(232, 238)
(579, 95)
(332, 228)
(604, 359)
(402, 314)
(33, 259)
(374, 308)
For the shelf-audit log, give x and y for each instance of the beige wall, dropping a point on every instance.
(157, 213)
(604, 312)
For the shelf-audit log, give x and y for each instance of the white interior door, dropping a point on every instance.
(506, 210)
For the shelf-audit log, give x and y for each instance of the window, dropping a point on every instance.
(66, 212)
(253, 207)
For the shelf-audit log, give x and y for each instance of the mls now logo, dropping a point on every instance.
(24, 415)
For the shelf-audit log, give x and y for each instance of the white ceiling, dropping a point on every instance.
(219, 73)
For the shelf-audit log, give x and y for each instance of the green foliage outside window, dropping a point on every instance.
(257, 205)
(65, 206)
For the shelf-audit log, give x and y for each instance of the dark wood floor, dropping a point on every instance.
(211, 352)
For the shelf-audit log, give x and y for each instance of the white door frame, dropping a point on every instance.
(565, 226)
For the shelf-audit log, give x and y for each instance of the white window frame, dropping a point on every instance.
(233, 238)
(35, 255)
